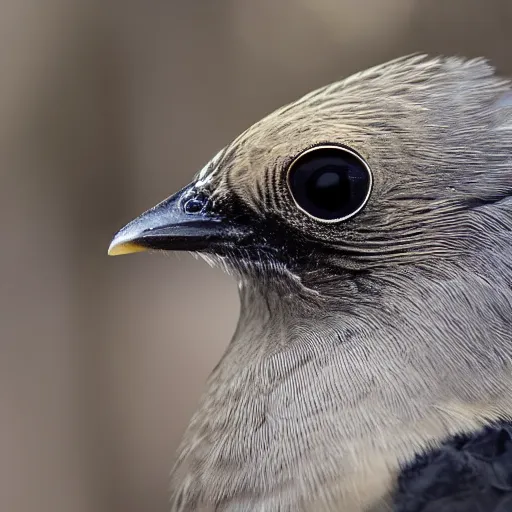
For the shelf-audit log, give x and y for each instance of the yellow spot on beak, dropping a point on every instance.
(120, 248)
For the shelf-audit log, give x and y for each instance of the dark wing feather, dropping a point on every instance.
(471, 473)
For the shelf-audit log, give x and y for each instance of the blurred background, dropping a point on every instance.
(107, 107)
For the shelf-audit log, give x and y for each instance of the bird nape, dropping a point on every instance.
(369, 226)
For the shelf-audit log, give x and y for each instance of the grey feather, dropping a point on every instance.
(363, 344)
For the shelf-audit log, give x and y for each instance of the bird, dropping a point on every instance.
(368, 226)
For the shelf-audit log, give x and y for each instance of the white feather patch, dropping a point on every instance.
(206, 173)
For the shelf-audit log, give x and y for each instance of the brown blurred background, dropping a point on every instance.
(107, 107)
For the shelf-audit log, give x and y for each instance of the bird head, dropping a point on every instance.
(390, 169)
(385, 197)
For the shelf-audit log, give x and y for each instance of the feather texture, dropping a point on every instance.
(365, 343)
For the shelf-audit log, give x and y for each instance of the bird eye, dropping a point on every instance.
(330, 183)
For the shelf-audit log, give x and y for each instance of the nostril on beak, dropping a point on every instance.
(195, 203)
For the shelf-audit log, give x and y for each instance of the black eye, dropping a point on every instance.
(330, 183)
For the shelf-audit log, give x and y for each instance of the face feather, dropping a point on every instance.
(434, 133)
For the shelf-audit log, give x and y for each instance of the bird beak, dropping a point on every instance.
(168, 227)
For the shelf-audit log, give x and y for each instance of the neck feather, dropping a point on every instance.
(312, 402)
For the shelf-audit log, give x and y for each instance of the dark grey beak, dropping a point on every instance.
(183, 222)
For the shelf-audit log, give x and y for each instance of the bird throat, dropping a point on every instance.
(309, 405)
